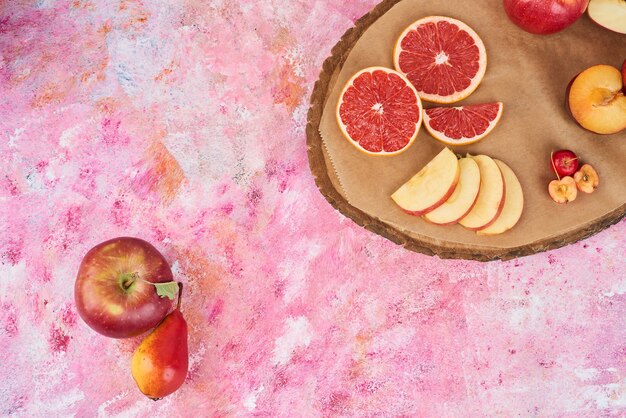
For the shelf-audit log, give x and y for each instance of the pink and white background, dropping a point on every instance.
(182, 122)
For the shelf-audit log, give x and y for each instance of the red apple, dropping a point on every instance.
(544, 17)
(114, 290)
(564, 162)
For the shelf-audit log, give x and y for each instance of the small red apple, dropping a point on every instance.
(564, 162)
(544, 17)
(115, 288)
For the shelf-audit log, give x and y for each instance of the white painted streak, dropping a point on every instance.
(297, 334)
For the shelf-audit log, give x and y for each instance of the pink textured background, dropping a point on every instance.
(182, 122)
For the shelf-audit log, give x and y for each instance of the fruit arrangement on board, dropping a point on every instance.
(478, 192)
(565, 164)
(442, 60)
(125, 288)
(595, 97)
(437, 59)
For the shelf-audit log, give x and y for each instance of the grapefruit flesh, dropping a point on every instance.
(462, 125)
(442, 57)
(379, 111)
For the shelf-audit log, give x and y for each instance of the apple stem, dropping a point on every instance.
(553, 166)
(180, 293)
(127, 280)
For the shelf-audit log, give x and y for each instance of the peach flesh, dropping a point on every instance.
(596, 100)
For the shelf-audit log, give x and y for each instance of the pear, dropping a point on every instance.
(159, 365)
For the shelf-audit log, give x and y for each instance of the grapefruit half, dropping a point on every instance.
(442, 57)
(462, 125)
(379, 111)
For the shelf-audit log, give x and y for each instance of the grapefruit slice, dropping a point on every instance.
(462, 125)
(442, 57)
(379, 111)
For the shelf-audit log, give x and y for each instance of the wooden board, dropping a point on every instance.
(600, 151)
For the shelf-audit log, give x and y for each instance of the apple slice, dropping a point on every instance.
(431, 186)
(596, 100)
(513, 203)
(490, 198)
(462, 200)
(610, 14)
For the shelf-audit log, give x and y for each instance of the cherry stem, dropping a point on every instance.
(553, 166)
(180, 293)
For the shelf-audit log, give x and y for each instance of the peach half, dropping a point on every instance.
(596, 100)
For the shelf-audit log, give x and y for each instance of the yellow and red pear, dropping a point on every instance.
(160, 363)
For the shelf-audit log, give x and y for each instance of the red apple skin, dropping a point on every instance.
(459, 218)
(107, 297)
(564, 162)
(543, 17)
(455, 221)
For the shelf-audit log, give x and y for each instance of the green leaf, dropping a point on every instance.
(167, 290)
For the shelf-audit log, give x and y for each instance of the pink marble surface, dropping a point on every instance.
(183, 123)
